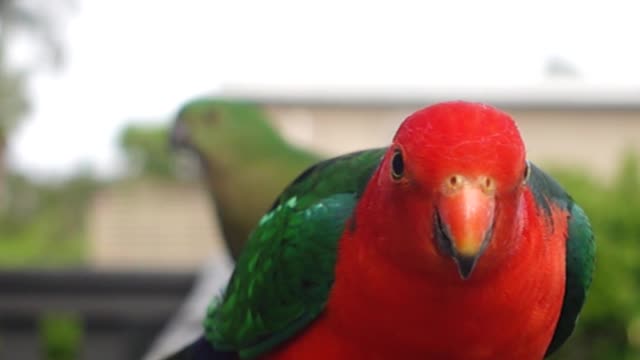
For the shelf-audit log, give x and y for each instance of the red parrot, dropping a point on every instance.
(448, 244)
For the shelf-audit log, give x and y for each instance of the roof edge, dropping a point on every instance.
(543, 97)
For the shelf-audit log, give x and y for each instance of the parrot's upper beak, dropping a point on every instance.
(463, 226)
(179, 135)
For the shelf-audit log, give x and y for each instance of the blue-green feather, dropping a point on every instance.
(580, 251)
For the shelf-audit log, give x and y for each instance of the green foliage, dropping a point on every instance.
(13, 104)
(39, 23)
(44, 224)
(60, 337)
(609, 326)
(147, 150)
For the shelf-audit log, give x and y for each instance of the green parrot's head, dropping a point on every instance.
(223, 131)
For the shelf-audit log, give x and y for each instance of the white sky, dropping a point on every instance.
(138, 60)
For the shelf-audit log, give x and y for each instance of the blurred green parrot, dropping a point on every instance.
(245, 160)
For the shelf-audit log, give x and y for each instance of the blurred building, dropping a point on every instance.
(149, 225)
(563, 124)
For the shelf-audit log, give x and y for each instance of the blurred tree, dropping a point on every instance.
(609, 326)
(13, 105)
(44, 224)
(34, 20)
(147, 150)
(37, 20)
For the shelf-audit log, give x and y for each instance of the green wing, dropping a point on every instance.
(282, 279)
(580, 252)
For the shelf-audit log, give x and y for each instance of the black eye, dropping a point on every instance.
(211, 117)
(527, 172)
(397, 165)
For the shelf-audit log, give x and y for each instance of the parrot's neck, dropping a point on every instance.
(243, 190)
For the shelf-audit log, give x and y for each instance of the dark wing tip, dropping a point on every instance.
(201, 349)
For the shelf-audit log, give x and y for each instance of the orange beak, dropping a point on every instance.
(464, 225)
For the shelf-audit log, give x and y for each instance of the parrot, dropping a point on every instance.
(447, 244)
(246, 161)
(246, 164)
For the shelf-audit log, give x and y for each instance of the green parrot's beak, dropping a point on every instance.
(179, 137)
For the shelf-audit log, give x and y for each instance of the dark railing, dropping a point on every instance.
(118, 313)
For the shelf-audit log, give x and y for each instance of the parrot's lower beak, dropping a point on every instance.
(464, 226)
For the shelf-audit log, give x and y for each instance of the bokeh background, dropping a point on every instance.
(110, 243)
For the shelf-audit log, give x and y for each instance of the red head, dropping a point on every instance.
(451, 183)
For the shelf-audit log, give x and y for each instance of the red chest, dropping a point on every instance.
(376, 311)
